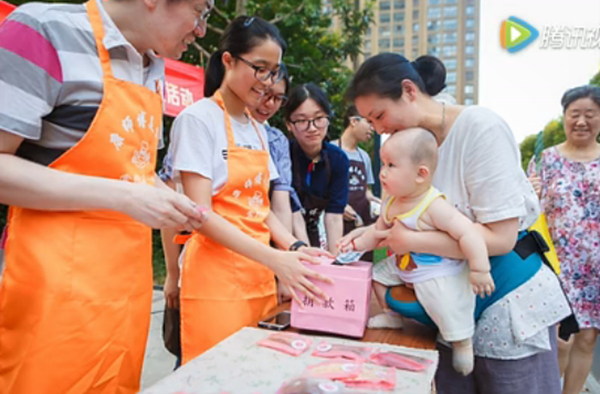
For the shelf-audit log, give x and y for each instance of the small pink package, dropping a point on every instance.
(335, 370)
(329, 350)
(290, 343)
(346, 309)
(373, 377)
(400, 361)
(309, 385)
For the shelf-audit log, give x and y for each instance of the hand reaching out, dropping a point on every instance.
(162, 208)
(369, 240)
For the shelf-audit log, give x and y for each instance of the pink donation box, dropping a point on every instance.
(346, 309)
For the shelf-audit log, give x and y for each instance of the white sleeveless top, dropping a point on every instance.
(419, 267)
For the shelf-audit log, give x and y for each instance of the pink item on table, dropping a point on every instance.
(400, 361)
(290, 343)
(346, 309)
(308, 385)
(328, 350)
(335, 370)
(373, 377)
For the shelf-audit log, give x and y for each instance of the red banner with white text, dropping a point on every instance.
(184, 86)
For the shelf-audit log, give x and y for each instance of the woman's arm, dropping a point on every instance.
(171, 253)
(338, 199)
(371, 197)
(30, 185)
(286, 265)
(334, 228)
(299, 226)
(500, 238)
(280, 205)
(279, 233)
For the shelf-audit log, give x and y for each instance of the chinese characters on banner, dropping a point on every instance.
(184, 86)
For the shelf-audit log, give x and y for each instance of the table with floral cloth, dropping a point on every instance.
(238, 366)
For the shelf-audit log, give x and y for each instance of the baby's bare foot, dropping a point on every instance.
(385, 320)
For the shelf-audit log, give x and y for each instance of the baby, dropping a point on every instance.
(443, 286)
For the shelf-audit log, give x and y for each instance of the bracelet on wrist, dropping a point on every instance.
(296, 245)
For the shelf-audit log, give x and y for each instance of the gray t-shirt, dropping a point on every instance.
(360, 155)
(50, 95)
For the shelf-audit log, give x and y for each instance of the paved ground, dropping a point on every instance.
(159, 362)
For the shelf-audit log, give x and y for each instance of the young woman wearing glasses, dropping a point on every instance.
(319, 168)
(221, 155)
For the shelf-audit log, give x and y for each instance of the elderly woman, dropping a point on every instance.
(569, 188)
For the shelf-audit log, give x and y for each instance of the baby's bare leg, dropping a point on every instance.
(450, 302)
(380, 291)
(462, 356)
(387, 319)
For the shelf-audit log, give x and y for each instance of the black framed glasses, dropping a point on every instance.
(263, 73)
(303, 125)
(278, 99)
(203, 13)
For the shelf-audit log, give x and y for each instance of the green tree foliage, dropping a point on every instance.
(595, 80)
(315, 52)
(553, 134)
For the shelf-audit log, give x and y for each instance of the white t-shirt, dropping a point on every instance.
(479, 170)
(199, 142)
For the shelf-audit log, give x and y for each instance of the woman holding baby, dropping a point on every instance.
(478, 171)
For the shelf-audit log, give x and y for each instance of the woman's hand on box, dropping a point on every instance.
(294, 276)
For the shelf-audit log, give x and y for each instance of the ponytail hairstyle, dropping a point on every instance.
(383, 74)
(302, 93)
(239, 38)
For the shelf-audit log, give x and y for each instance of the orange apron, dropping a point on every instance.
(76, 294)
(222, 291)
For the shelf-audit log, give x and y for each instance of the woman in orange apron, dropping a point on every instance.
(221, 155)
(77, 289)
